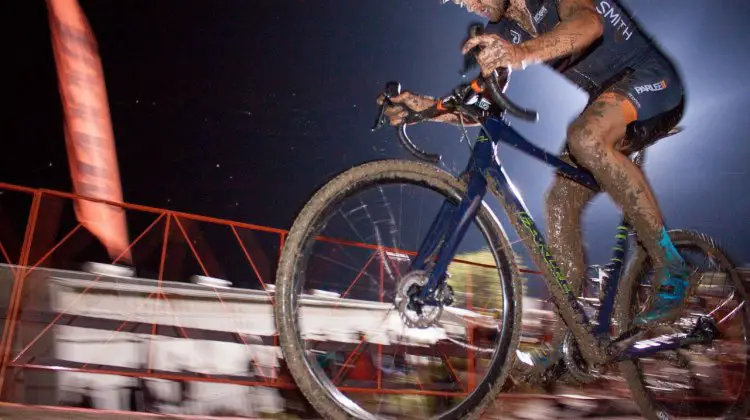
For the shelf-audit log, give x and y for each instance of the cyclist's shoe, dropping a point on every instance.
(667, 304)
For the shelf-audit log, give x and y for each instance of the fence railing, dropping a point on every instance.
(53, 307)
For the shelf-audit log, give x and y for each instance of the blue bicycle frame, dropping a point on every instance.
(452, 221)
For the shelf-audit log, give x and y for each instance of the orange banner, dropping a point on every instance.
(88, 127)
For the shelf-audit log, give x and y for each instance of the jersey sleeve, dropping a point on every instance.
(512, 32)
(509, 30)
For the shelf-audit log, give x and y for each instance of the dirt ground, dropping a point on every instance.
(511, 410)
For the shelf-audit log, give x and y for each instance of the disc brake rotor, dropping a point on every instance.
(418, 314)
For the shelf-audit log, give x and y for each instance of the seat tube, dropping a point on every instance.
(611, 283)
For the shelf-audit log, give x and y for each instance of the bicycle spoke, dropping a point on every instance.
(393, 357)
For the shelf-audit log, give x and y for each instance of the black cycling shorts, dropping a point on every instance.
(655, 90)
(651, 85)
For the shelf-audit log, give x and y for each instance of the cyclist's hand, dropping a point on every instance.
(405, 100)
(495, 53)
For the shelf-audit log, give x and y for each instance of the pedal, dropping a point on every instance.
(705, 331)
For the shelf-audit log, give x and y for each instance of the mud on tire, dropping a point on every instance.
(329, 402)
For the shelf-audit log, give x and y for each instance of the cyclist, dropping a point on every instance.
(635, 96)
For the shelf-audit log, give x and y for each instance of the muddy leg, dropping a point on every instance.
(565, 203)
(592, 139)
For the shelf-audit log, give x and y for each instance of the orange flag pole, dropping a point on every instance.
(88, 128)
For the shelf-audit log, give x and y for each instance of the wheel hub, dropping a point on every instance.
(415, 312)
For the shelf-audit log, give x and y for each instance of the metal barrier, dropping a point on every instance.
(63, 324)
(49, 291)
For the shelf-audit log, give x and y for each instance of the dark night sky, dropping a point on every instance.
(240, 109)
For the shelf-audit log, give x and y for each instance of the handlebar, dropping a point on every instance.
(394, 89)
(458, 101)
(493, 83)
(505, 103)
(413, 149)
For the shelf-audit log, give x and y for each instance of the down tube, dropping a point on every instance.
(507, 191)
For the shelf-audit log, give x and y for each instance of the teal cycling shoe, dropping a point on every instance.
(666, 305)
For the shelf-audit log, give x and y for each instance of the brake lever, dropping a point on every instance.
(391, 89)
(394, 89)
(492, 83)
(470, 59)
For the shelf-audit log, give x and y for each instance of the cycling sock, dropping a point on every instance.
(673, 258)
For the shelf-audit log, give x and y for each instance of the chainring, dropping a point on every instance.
(575, 365)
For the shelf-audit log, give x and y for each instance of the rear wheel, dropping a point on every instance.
(697, 381)
(389, 371)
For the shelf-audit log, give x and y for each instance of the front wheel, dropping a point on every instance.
(701, 380)
(350, 349)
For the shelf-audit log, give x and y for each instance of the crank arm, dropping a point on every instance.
(704, 332)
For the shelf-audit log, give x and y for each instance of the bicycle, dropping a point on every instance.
(422, 297)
